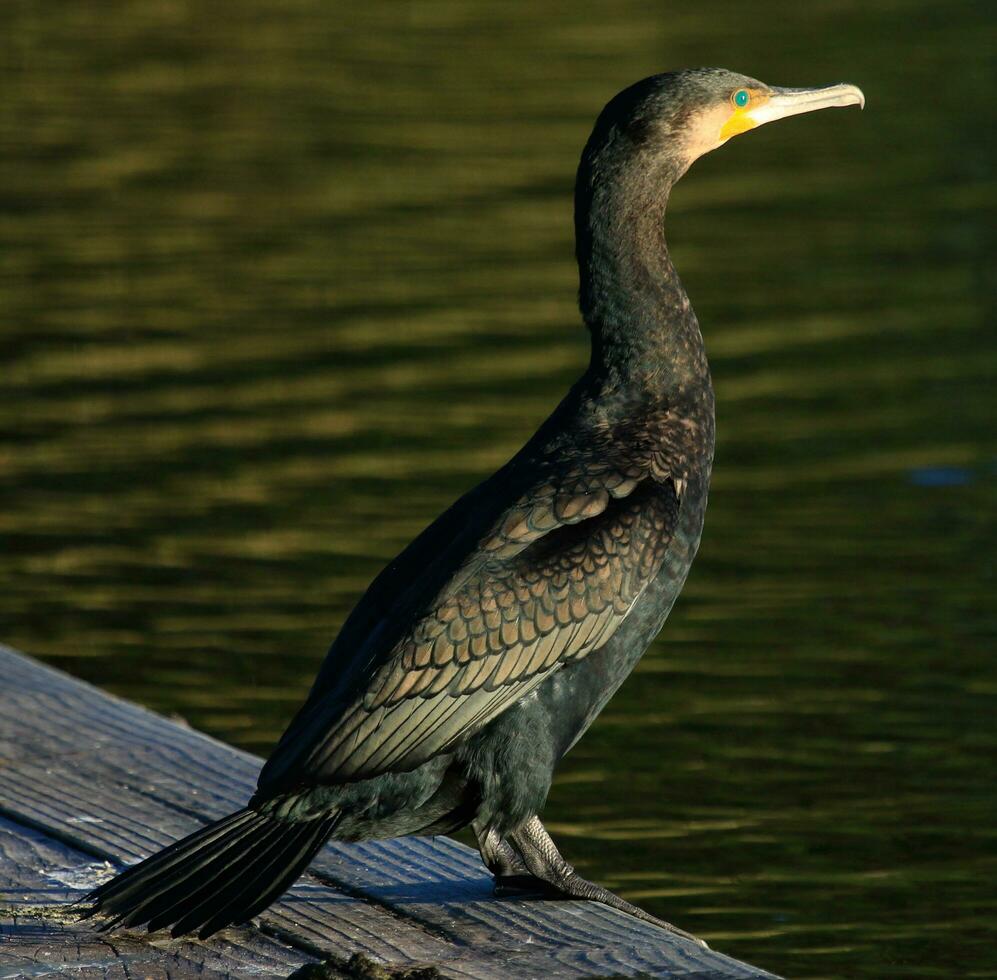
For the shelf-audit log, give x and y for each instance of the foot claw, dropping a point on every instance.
(579, 887)
(544, 861)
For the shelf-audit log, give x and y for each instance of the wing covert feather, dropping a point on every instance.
(552, 581)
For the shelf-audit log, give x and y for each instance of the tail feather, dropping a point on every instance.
(224, 873)
(222, 894)
(139, 876)
(206, 880)
(144, 890)
(266, 886)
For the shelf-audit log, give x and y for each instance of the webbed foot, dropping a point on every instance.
(548, 869)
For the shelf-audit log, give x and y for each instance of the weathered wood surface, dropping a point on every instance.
(89, 782)
(38, 875)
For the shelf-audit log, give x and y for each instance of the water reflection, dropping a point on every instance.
(278, 286)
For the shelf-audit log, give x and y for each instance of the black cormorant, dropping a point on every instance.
(480, 655)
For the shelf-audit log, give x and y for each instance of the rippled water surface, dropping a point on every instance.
(278, 280)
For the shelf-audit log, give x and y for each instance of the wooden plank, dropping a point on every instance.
(39, 876)
(114, 782)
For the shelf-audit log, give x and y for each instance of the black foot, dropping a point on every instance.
(524, 886)
(544, 861)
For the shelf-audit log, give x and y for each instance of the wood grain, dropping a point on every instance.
(89, 782)
(39, 877)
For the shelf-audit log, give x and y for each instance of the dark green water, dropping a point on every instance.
(278, 280)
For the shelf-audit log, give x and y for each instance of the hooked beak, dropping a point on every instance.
(785, 102)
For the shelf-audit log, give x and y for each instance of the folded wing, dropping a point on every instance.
(551, 581)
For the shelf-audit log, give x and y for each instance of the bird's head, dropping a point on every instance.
(678, 116)
(643, 141)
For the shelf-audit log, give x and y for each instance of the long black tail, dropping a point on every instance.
(224, 873)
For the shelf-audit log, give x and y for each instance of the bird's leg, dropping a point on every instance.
(500, 859)
(544, 861)
(511, 875)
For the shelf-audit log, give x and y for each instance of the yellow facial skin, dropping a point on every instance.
(717, 123)
(740, 119)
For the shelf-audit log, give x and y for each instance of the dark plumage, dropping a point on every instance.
(481, 654)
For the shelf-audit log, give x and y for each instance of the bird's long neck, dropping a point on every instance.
(644, 332)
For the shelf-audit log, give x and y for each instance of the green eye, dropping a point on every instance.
(741, 98)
